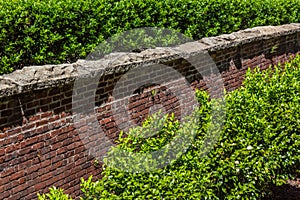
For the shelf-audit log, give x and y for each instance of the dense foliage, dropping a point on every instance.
(259, 145)
(38, 32)
(55, 194)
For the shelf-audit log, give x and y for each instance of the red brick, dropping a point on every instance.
(39, 186)
(12, 148)
(5, 194)
(42, 122)
(33, 168)
(19, 188)
(37, 146)
(46, 176)
(46, 114)
(22, 180)
(61, 150)
(41, 129)
(16, 175)
(31, 141)
(45, 164)
(41, 94)
(25, 165)
(45, 101)
(66, 101)
(24, 150)
(32, 104)
(54, 118)
(2, 135)
(6, 113)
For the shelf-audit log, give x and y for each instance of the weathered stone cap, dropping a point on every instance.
(250, 35)
(46, 76)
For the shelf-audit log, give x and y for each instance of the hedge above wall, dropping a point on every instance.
(35, 32)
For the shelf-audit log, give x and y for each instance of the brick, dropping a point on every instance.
(16, 175)
(3, 105)
(37, 146)
(25, 165)
(46, 114)
(31, 141)
(59, 109)
(68, 107)
(32, 195)
(54, 91)
(68, 93)
(12, 148)
(61, 150)
(45, 164)
(22, 180)
(54, 118)
(29, 126)
(41, 129)
(39, 186)
(29, 112)
(58, 97)
(57, 158)
(19, 188)
(3, 121)
(54, 105)
(5, 194)
(6, 112)
(42, 122)
(2, 135)
(46, 176)
(41, 94)
(24, 150)
(44, 108)
(32, 104)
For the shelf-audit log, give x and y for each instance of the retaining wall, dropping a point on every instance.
(39, 144)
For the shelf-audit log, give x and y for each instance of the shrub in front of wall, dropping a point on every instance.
(259, 146)
(54, 194)
(35, 32)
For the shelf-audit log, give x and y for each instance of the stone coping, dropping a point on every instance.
(47, 76)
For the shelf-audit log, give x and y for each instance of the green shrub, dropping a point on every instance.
(34, 32)
(54, 194)
(259, 145)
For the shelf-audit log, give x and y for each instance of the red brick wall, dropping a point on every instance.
(40, 147)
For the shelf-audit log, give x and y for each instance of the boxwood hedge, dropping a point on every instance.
(259, 146)
(36, 32)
